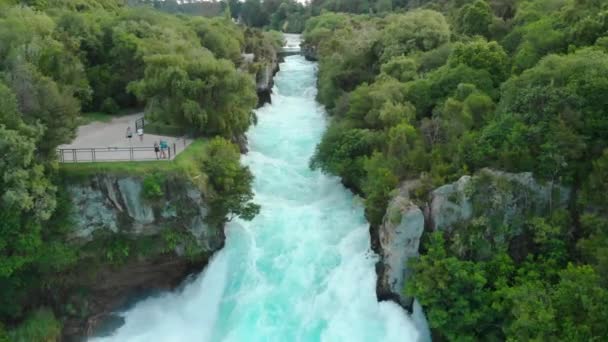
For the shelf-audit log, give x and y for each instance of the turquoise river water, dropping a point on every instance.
(302, 270)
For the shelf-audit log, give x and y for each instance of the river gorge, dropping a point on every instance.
(303, 269)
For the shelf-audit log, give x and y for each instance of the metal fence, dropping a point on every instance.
(109, 154)
(139, 123)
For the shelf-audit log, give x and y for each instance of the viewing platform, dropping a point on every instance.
(108, 142)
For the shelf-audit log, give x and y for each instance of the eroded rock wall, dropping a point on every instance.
(118, 204)
(105, 206)
(493, 198)
(399, 237)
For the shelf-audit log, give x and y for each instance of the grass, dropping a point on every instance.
(87, 118)
(163, 129)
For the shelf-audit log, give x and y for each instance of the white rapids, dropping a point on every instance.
(302, 270)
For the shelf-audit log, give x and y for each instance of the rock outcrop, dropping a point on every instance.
(490, 198)
(118, 204)
(310, 52)
(263, 70)
(264, 79)
(503, 198)
(399, 237)
(169, 224)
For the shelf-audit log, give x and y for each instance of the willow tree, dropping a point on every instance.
(197, 91)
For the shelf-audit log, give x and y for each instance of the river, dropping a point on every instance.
(302, 270)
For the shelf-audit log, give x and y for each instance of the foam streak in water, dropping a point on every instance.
(300, 271)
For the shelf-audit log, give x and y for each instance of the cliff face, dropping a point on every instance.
(399, 238)
(264, 79)
(119, 205)
(498, 198)
(310, 52)
(152, 234)
(263, 70)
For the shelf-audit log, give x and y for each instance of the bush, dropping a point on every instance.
(41, 325)
(230, 183)
(152, 187)
(109, 106)
(159, 128)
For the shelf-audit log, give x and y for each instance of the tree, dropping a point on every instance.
(252, 13)
(231, 183)
(401, 68)
(28, 197)
(222, 38)
(582, 304)
(378, 184)
(482, 55)
(559, 101)
(480, 108)
(420, 30)
(405, 146)
(475, 19)
(341, 152)
(200, 92)
(532, 312)
(235, 8)
(368, 104)
(41, 100)
(453, 292)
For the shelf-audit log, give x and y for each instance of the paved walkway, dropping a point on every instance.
(109, 141)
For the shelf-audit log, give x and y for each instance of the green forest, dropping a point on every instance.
(62, 58)
(441, 89)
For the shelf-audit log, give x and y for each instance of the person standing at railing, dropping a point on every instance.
(163, 148)
(156, 149)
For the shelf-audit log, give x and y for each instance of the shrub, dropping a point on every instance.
(152, 187)
(41, 325)
(109, 106)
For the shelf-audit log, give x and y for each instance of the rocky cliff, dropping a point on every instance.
(263, 70)
(492, 198)
(399, 239)
(310, 52)
(264, 79)
(136, 235)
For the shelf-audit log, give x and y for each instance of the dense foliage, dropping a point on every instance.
(281, 15)
(190, 7)
(437, 92)
(59, 58)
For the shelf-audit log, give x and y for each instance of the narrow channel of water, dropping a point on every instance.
(300, 271)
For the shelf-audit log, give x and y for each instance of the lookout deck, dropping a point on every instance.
(107, 141)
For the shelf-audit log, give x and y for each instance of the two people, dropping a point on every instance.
(160, 150)
(163, 148)
(140, 133)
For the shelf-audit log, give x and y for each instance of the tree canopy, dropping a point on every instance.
(447, 88)
(60, 58)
